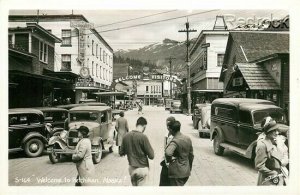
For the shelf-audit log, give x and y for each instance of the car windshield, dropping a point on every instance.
(84, 116)
(276, 114)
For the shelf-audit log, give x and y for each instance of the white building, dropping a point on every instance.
(82, 46)
(207, 55)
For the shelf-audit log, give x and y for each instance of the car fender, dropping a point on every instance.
(57, 140)
(251, 147)
(34, 135)
(97, 141)
(214, 133)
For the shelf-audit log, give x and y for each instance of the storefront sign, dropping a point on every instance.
(81, 48)
(85, 82)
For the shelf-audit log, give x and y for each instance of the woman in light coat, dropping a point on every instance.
(83, 158)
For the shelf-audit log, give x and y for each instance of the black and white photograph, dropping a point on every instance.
(157, 98)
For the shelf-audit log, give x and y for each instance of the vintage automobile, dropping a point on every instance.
(168, 104)
(204, 122)
(99, 121)
(27, 131)
(196, 117)
(55, 117)
(236, 124)
(176, 106)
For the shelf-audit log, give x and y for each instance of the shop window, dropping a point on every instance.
(66, 62)
(66, 37)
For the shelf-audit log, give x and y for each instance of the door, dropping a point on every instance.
(18, 125)
(104, 127)
(247, 134)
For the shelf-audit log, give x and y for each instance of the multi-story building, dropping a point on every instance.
(31, 67)
(81, 46)
(150, 91)
(207, 55)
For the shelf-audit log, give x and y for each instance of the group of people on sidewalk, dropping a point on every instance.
(270, 161)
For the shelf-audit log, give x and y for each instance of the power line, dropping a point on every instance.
(122, 21)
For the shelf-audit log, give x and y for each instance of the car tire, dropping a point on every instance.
(97, 157)
(34, 147)
(54, 158)
(219, 150)
(201, 135)
(111, 149)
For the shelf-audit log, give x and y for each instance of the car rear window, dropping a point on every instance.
(276, 114)
(245, 117)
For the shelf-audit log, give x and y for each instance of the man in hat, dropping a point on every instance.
(138, 149)
(269, 159)
(121, 128)
(83, 158)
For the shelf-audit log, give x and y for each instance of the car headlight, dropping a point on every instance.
(63, 134)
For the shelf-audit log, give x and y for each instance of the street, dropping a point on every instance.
(208, 168)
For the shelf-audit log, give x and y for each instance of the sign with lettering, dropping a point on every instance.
(237, 82)
(85, 82)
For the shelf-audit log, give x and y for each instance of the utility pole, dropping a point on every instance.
(170, 62)
(187, 31)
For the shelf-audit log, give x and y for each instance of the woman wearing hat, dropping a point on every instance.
(269, 158)
(83, 158)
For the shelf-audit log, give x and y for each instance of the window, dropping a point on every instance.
(107, 75)
(34, 119)
(92, 47)
(245, 117)
(103, 56)
(103, 117)
(96, 50)
(66, 37)
(220, 59)
(151, 89)
(93, 68)
(43, 54)
(65, 62)
(100, 72)
(96, 70)
(147, 88)
(100, 53)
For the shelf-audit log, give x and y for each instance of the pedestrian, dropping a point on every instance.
(140, 108)
(179, 154)
(138, 149)
(164, 176)
(121, 128)
(270, 159)
(83, 158)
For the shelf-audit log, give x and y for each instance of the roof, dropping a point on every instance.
(252, 107)
(52, 18)
(44, 109)
(109, 93)
(24, 111)
(259, 44)
(90, 108)
(238, 101)
(68, 106)
(257, 77)
(30, 26)
(93, 104)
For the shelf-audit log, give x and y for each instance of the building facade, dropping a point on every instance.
(207, 55)
(81, 46)
(31, 67)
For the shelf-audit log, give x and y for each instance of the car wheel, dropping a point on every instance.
(219, 150)
(54, 158)
(34, 147)
(97, 156)
(111, 149)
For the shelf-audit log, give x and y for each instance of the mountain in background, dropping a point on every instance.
(155, 55)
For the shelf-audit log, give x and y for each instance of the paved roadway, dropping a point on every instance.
(208, 168)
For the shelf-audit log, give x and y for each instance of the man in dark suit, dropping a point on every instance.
(179, 153)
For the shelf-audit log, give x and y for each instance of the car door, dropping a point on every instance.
(18, 125)
(247, 134)
(104, 131)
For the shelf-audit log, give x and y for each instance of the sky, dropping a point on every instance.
(108, 22)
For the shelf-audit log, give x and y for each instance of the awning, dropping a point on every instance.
(208, 90)
(256, 77)
(111, 93)
(88, 88)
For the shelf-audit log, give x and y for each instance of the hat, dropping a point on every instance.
(83, 129)
(268, 125)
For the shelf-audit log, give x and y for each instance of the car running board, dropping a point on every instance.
(235, 149)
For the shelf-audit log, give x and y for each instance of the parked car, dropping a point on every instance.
(27, 131)
(236, 123)
(197, 114)
(204, 122)
(176, 106)
(55, 117)
(168, 104)
(99, 121)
